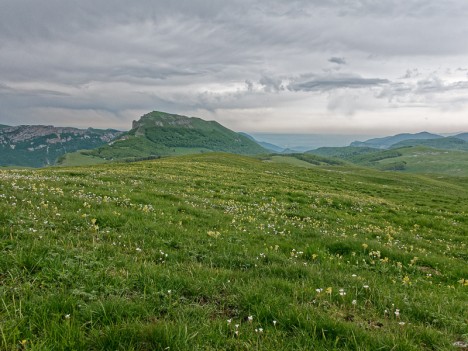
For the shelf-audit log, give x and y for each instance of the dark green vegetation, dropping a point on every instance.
(39, 146)
(449, 143)
(161, 134)
(415, 159)
(216, 251)
(387, 142)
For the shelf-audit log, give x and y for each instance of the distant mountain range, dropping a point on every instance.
(38, 146)
(158, 134)
(459, 141)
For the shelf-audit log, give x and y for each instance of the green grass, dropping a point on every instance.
(178, 253)
(79, 159)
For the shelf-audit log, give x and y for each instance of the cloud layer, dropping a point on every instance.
(318, 66)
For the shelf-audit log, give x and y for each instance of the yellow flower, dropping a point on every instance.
(329, 290)
(365, 246)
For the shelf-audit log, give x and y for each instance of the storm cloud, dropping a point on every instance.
(258, 65)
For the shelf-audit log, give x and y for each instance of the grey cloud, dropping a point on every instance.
(271, 84)
(335, 82)
(114, 56)
(337, 60)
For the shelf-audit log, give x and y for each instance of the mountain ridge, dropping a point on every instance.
(42, 145)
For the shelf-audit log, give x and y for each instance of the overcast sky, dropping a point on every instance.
(308, 66)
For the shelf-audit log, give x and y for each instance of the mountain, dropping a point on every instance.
(387, 142)
(160, 134)
(39, 145)
(462, 136)
(448, 143)
(269, 146)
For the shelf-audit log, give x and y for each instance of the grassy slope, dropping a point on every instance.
(422, 159)
(163, 254)
(416, 159)
(449, 143)
(164, 134)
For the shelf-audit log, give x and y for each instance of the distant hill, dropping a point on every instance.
(160, 134)
(387, 142)
(38, 145)
(412, 159)
(448, 143)
(462, 136)
(269, 146)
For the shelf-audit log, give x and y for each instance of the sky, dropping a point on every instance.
(375, 67)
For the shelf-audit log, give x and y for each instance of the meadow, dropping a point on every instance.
(224, 252)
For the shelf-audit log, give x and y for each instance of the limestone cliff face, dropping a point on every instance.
(38, 145)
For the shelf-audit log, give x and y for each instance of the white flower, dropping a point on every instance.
(274, 323)
(250, 318)
(67, 316)
(354, 302)
(229, 321)
(366, 286)
(319, 290)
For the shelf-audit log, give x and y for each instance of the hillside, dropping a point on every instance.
(224, 252)
(411, 159)
(161, 134)
(38, 146)
(448, 143)
(387, 142)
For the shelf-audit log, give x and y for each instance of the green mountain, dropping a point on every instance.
(462, 136)
(411, 159)
(38, 146)
(448, 143)
(161, 134)
(387, 142)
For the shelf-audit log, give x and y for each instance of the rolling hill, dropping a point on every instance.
(387, 142)
(448, 143)
(159, 134)
(411, 159)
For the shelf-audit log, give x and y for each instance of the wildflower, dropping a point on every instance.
(365, 246)
(401, 323)
(354, 275)
(319, 290)
(354, 302)
(138, 249)
(67, 316)
(366, 286)
(274, 323)
(342, 292)
(329, 290)
(397, 312)
(406, 280)
(229, 321)
(250, 318)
